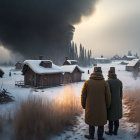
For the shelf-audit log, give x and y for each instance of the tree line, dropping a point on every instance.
(83, 56)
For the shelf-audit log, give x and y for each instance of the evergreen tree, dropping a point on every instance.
(80, 55)
(76, 52)
(88, 58)
(83, 55)
(85, 58)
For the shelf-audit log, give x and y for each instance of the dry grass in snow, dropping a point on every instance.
(5, 119)
(132, 101)
(36, 118)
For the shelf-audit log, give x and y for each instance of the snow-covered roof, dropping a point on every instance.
(124, 62)
(71, 61)
(71, 68)
(101, 58)
(133, 62)
(131, 57)
(35, 66)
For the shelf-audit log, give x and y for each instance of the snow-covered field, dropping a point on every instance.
(127, 130)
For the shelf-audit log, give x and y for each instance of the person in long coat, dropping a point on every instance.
(95, 99)
(115, 110)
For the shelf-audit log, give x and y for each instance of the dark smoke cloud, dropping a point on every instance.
(34, 27)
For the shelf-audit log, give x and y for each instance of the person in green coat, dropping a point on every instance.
(114, 112)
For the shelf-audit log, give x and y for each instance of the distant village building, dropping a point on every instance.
(1, 73)
(41, 73)
(124, 57)
(116, 57)
(70, 62)
(18, 66)
(133, 65)
(102, 60)
(124, 62)
(93, 62)
(72, 72)
(129, 58)
(136, 55)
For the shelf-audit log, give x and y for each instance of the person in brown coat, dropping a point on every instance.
(95, 99)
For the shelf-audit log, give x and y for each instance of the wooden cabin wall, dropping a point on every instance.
(129, 68)
(76, 76)
(137, 65)
(44, 80)
(49, 80)
(72, 77)
(30, 78)
(67, 78)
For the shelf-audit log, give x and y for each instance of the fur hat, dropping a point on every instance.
(111, 73)
(97, 69)
(112, 70)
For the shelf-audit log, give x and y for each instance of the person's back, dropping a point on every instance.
(115, 110)
(96, 95)
(95, 100)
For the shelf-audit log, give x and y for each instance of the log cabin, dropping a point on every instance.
(41, 73)
(70, 62)
(133, 65)
(18, 66)
(72, 73)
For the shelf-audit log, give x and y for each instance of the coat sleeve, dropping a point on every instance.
(107, 95)
(84, 95)
(121, 90)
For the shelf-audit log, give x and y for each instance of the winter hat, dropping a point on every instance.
(111, 73)
(112, 70)
(97, 69)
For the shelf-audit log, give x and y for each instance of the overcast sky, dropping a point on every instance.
(114, 28)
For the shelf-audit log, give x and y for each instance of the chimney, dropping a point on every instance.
(40, 57)
(66, 58)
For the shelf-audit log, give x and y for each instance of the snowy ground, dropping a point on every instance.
(127, 130)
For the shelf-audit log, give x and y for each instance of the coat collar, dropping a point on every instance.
(112, 76)
(96, 76)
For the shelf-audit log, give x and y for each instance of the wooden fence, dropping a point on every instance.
(19, 83)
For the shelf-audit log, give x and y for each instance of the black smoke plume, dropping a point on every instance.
(41, 27)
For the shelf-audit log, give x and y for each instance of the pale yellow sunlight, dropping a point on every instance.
(112, 29)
